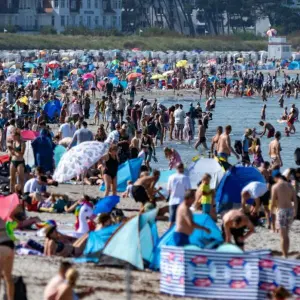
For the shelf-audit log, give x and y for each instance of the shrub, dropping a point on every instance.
(47, 30)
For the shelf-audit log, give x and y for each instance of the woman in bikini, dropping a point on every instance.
(17, 164)
(6, 260)
(109, 165)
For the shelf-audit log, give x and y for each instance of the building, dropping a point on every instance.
(278, 48)
(32, 15)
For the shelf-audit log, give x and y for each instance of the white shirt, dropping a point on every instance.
(147, 110)
(114, 137)
(32, 186)
(256, 189)
(177, 185)
(179, 116)
(66, 130)
(9, 132)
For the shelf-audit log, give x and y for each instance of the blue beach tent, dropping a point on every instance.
(130, 170)
(294, 65)
(232, 183)
(106, 204)
(198, 238)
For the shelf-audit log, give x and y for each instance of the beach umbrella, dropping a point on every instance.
(135, 49)
(39, 61)
(181, 64)
(88, 76)
(134, 76)
(28, 65)
(76, 72)
(168, 73)
(106, 204)
(78, 160)
(14, 78)
(29, 135)
(54, 64)
(212, 62)
(271, 32)
(158, 76)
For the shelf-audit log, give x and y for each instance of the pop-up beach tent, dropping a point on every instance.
(202, 166)
(130, 170)
(230, 188)
(198, 238)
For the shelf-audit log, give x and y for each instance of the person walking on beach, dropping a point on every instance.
(275, 149)
(235, 222)
(283, 194)
(179, 116)
(224, 145)
(184, 221)
(201, 136)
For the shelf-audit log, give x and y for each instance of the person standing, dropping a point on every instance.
(201, 136)
(215, 140)
(283, 194)
(224, 145)
(274, 150)
(67, 129)
(245, 146)
(178, 184)
(86, 106)
(82, 135)
(179, 116)
(184, 220)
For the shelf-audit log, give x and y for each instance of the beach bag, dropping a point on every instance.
(297, 156)
(20, 289)
(238, 147)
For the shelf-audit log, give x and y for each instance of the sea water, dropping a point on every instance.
(240, 113)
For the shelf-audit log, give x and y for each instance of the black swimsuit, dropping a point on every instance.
(111, 167)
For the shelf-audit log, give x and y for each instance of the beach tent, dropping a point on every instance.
(130, 170)
(232, 183)
(52, 108)
(96, 242)
(205, 165)
(7, 205)
(198, 238)
(133, 242)
(294, 65)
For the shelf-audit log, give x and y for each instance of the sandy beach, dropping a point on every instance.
(109, 283)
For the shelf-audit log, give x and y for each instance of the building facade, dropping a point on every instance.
(32, 15)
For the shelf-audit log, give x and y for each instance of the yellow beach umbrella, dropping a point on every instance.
(157, 76)
(181, 63)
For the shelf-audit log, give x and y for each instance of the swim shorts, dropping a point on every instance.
(206, 208)
(271, 133)
(285, 217)
(224, 156)
(139, 194)
(181, 239)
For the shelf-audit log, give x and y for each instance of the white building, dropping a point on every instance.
(31, 15)
(278, 48)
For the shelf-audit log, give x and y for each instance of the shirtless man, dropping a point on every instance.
(215, 140)
(143, 188)
(135, 145)
(269, 127)
(201, 136)
(184, 220)
(283, 194)
(274, 150)
(224, 144)
(234, 224)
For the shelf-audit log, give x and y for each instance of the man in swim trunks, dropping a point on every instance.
(235, 222)
(253, 190)
(274, 150)
(184, 220)
(224, 145)
(269, 127)
(214, 142)
(283, 194)
(143, 188)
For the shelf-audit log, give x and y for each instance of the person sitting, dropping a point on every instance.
(61, 245)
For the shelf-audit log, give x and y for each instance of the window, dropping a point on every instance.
(88, 4)
(159, 10)
(96, 3)
(114, 21)
(73, 4)
(145, 10)
(53, 21)
(56, 3)
(81, 20)
(89, 21)
(62, 3)
(119, 4)
(104, 21)
(159, 24)
(96, 21)
(62, 21)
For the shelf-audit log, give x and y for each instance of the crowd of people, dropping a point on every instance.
(136, 127)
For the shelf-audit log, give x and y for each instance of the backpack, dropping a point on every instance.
(20, 289)
(297, 156)
(238, 147)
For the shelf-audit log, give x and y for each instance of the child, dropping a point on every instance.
(205, 196)
(128, 192)
(286, 131)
